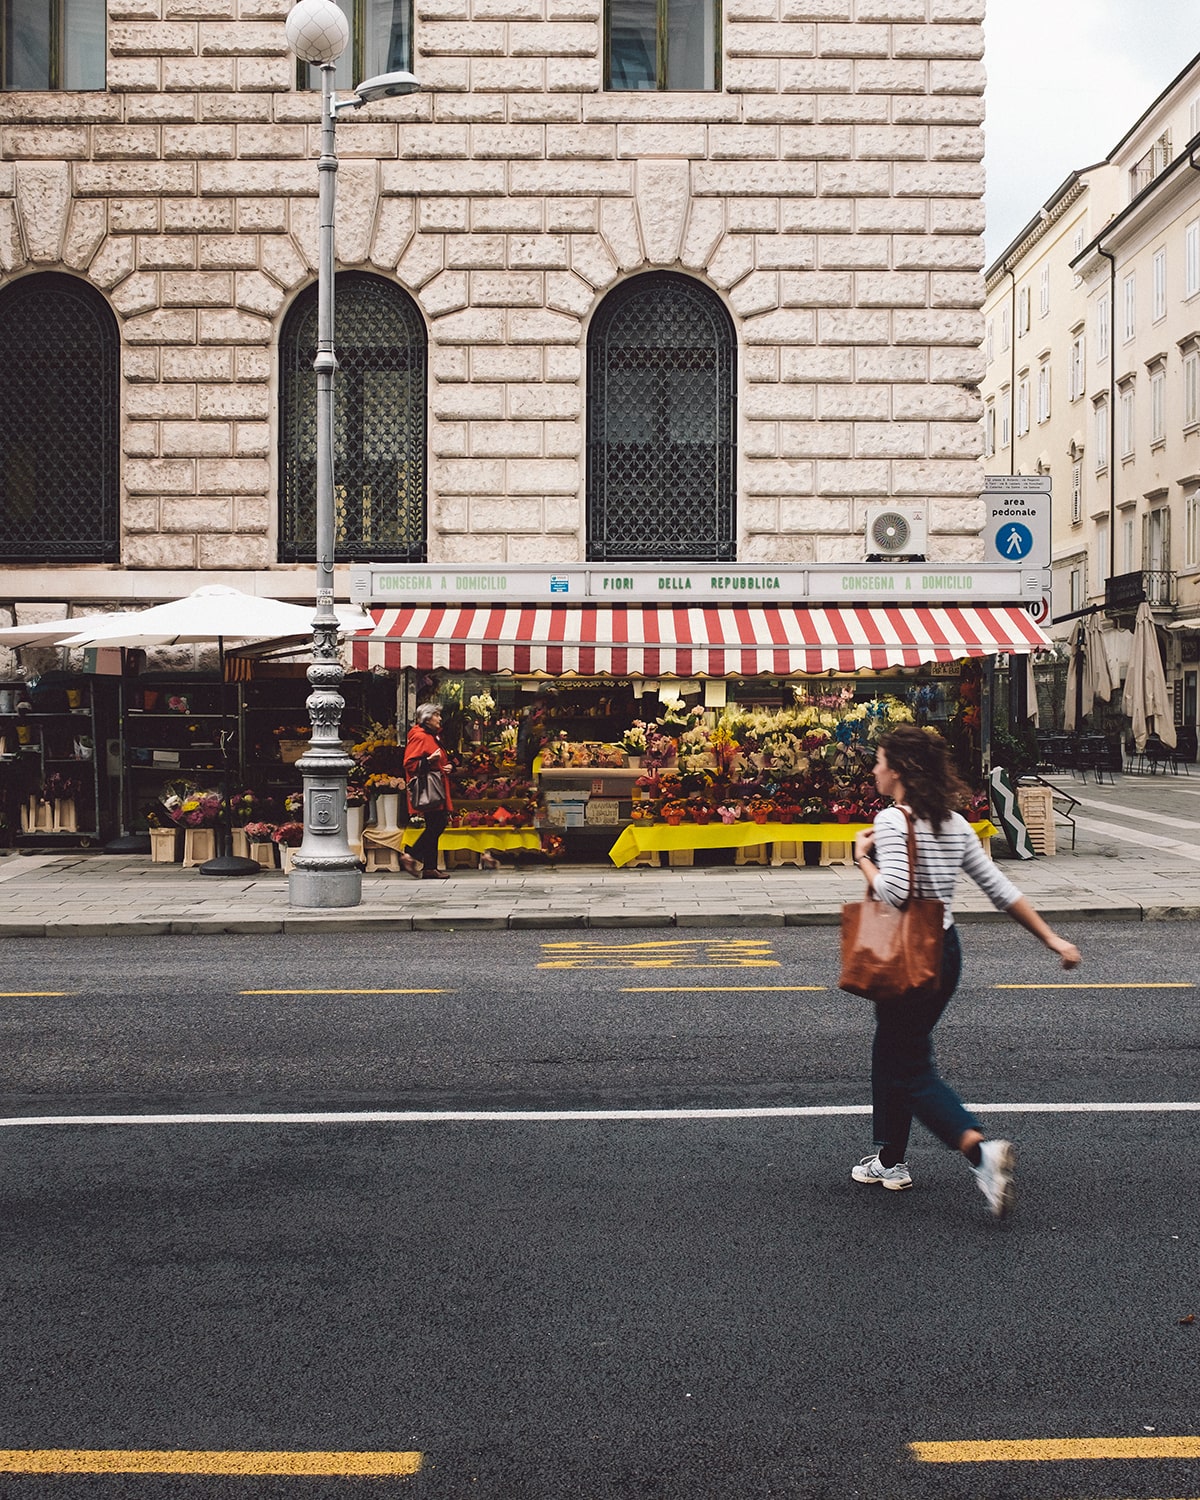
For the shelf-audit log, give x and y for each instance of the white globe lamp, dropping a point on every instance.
(317, 32)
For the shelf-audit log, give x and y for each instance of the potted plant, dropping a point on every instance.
(259, 838)
(729, 812)
(701, 811)
(386, 787)
(633, 742)
(356, 803)
(672, 811)
(288, 836)
(760, 809)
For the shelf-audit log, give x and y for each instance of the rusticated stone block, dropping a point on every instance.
(198, 365)
(140, 366)
(252, 365)
(268, 75)
(166, 326)
(197, 289)
(139, 440)
(572, 75)
(891, 289)
(226, 326)
(852, 326)
(816, 289)
(755, 178)
(244, 179)
(232, 402)
(638, 141)
(956, 440)
(816, 440)
(470, 252)
(852, 402)
(752, 215)
(538, 252)
(572, 215)
(938, 326)
(133, 179)
(422, 260)
(506, 439)
(151, 39)
(568, 293)
(542, 476)
(506, 289)
(114, 260)
(451, 179)
(160, 476)
(506, 364)
(663, 197)
(461, 39)
(506, 516)
(196, 440)
(553, 39)
(251, 513)
(890, 439)
(394, 221)
(784, 252)
(936, 477)
(43, 204)
(245, 39)
(759, 39)
(228, 252)
(159, 551)
(139, 512)
(543, 549)
(283, 262)
(45, 142)
(537, 325)
(939, 179)
(779, 403)
(467, 476)
(136, 294)
(171, 252)
(257, 293)
(198, 75)
(233, 551)
(815, 515)
(779, 477)
(234, 476)
(197, 215)
(132, 75)
(619, 225)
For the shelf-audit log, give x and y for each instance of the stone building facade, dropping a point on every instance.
(828, 192)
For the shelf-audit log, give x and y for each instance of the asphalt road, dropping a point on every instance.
(676, 1307)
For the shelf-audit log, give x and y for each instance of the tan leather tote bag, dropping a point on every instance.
(893, 953)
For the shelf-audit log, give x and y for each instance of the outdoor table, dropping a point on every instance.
(475, 839)
(642, 838)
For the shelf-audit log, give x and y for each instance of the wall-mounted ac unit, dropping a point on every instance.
(896, 532)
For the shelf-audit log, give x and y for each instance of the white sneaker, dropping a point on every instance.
(994, 1175)
(871, 1169)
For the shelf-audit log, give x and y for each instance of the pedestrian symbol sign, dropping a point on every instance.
(1014, 541)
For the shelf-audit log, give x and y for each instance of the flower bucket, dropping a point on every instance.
(702, 816)
(635, 762)
(264, 853)
(199, 844)
(239, 844)
(354, 824)
(285, 857)
(674, 819)
(760, 815)
(387, 810)
(65, 820)
(164, 846)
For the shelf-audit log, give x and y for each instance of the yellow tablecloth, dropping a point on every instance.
(637, 838)
(454, 838)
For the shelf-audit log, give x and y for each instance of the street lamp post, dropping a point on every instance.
(325, 871)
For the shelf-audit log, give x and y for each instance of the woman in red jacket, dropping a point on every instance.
(424, 747)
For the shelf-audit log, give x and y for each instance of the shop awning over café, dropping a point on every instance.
(773, 640)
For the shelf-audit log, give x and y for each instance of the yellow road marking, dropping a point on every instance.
(1054, 1450)
(664, 963)
(33, 994)
(716, 989)
(345, 992)
(661, 953)
(1174, 984)
(597, 946)
(151, 1461)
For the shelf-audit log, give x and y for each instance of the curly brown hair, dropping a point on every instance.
(921, 759)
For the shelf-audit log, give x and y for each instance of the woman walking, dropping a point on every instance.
(913, 768)
(423, 752)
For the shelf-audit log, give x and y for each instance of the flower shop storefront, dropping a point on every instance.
(745, 730)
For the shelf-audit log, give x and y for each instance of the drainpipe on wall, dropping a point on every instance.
(1012, 373)
(1112, 408)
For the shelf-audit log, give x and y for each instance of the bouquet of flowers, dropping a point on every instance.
(356, 794)
(291, 834)
(729, 812)
(260, 833)
(294, 803)
(192, 808)
(380, 752)
(383, 781)
(245, 806)
(481, 706)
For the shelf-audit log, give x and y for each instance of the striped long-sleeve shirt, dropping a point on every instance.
(940, 856)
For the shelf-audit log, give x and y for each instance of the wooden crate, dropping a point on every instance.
(1037, 808)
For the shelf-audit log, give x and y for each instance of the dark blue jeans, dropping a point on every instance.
(904, 1076)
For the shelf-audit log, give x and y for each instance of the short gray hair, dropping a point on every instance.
(426, 712)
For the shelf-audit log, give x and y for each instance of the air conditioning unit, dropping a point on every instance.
(896, 532)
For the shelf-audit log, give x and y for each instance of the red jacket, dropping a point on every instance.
(419, 745)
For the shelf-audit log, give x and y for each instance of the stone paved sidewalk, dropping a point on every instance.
(1137, 857)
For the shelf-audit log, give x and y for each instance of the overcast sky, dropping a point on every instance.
(1066, 80)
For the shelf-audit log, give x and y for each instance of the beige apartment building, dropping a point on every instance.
(1092, 347)
(789, 189)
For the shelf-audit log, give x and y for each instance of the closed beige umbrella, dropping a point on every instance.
(1146, 697)
(1074, 667)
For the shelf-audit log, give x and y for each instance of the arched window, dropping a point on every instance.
(661, 424)
(59, 422)
(379, 424)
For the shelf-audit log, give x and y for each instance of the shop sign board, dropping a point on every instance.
(720, 584)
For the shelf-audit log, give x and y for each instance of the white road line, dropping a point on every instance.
(550, 1116)
(1124, 809)
(1142, 839)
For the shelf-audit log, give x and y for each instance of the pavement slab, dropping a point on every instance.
(1151, 873)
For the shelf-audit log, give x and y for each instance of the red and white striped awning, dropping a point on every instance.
(773, 640)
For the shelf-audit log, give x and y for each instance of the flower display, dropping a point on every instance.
(260, 833)
(356, 794)
(379, 752)
(191, 808)
(633, 741)
(383, 781)
(481, 706)
(291, 834)
(294, 803)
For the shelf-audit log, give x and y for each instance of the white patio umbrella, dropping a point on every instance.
(54, 632)
(220, 614)
(1146, 695)
(1087, 640)
(213, 613)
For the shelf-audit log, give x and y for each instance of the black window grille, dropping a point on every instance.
(59, 422)
(379, 424)
(661, 424)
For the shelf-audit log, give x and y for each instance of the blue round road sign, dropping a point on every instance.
(1014, 541)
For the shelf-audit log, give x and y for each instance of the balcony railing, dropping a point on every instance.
(1153, 586)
